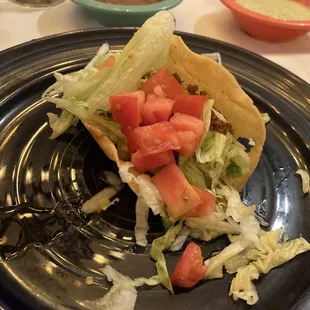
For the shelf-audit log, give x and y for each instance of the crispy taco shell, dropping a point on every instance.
(230, 100)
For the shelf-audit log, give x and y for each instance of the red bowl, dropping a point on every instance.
(267, 28)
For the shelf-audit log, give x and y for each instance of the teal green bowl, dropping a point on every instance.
(124, 15)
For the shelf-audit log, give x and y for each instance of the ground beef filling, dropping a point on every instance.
(191, 89)
(219, 126)
(194, 90)
(216, 123)
(177, 77)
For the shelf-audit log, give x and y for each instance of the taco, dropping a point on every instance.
(185, 138)
(233, 110)
(175, 82)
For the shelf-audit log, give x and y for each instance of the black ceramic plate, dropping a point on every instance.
(51, 247)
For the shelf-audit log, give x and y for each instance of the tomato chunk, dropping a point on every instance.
(183, 122)
(166, 81)
(190, 105)
(188, 130)
(126, 108)
(156, 109)
(178, 194)
(189, 269)
(145, 163)
(108, 63)
(129, 133)
(207, 206)
(186, 140)
(156, 138)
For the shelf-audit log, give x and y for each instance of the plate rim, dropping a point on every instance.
(121, 29)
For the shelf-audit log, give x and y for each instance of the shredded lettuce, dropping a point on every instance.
(147, 190)
(212, 148)
(142, 226)
(150, 193)
(167, 223)
(214, 56)
(100, 200)
(65, 84)
(305, 179)
(69, 85)
(195, 173)
(242, 286)
(146, 51)
(224, 154)
(281, 254)
(250, 228)
(236, 208)
(158, 246)
(112, 179)
(239, 157)
(234, 170)
(100, 56)
(267, 255)
(215, 222)
(74, 84)
(126, 173)
(215, 264)
(217, 156)
(220, 116)
(59, 124)
(84, 92)
(105, 203)
(109, 128)
(234, 263)
(206, 118)
(266, 117)
(123, 294)
(180, 239)
(149, 197)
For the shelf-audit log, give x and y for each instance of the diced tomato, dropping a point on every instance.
(131, 139)
(126, 108)
(156, 109)
(304, 2)
(156, 138)
(177, 193)
(145, 163)
(183, 122)
(207, 205)
(187, 143)
(166, 81)
(189, 130)
(190, 105)
(108, 63)
(189, 269)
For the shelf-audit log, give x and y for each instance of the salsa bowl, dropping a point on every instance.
(124, 15)
(266, 28)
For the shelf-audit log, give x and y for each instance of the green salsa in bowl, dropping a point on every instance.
(110, 14)
(275, 21)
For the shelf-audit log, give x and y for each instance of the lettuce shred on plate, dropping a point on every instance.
(266, 117)
(305, 180)
(217, 161)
